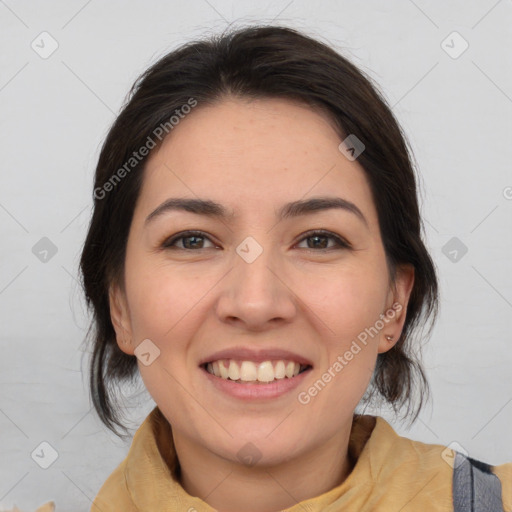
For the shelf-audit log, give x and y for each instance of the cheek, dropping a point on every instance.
(347, 300)
(356, 299)
(160, 301)
(164, 309)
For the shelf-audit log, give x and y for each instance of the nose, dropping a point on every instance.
(256, 295)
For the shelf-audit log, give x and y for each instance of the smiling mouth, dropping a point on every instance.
(251, 372)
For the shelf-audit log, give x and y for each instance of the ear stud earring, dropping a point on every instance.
(389, 338)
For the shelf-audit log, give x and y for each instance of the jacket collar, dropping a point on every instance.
(152, 460)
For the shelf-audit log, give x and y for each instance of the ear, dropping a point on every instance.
(396, 307)
(120, 316)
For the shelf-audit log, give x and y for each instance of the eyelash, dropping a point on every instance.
(340, 242)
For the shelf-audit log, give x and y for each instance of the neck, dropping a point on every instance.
(229, 486)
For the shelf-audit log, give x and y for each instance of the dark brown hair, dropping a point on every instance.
(256, 62)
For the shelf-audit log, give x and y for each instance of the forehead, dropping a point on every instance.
(250, 153)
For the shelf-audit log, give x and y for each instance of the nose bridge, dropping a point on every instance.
(254, 292)
(252, 275)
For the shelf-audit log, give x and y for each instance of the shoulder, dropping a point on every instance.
(399, 472)
(396, 455)
(504, 473)
(438, 474)
(126, 489)
(114, 495)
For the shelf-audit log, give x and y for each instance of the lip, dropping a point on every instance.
(258, 356)
(257, 391)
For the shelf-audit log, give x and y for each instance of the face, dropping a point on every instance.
(255, 285)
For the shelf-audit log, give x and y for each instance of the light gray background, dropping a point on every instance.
(55, 113)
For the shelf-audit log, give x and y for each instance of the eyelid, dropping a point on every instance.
(167, 243)
(341, 243)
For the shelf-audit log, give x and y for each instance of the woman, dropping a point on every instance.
(255, 253)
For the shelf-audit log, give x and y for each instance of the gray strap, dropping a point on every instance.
(475, 487)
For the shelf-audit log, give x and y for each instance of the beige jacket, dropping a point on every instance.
(391, 474)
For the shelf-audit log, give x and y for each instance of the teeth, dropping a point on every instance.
(279, 370)
(249, 371)
(290, 367)
(265, 372)
(223, 370)
(233, 372)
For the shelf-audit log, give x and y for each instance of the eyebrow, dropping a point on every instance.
(210, 208)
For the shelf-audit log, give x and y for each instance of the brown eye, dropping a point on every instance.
(194, 240)
(320, 240)
(191, 240)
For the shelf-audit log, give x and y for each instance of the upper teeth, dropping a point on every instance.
(247, 371)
